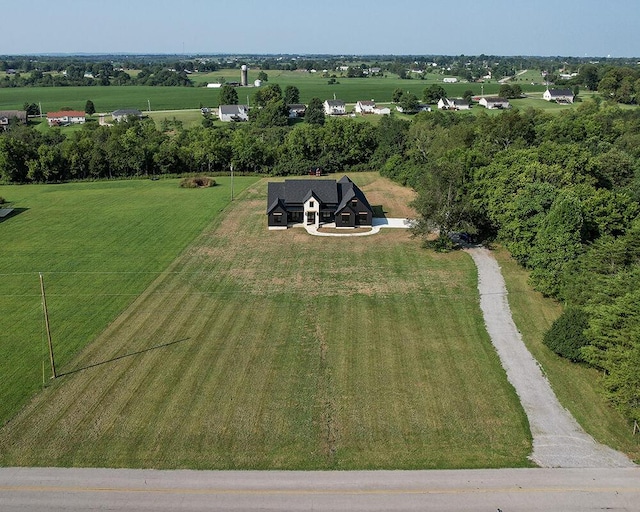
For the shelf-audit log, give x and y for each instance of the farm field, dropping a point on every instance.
(576, 386)
(264, 350)
(98, 245)
(107, 99)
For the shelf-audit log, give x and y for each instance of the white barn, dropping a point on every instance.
(494, 102)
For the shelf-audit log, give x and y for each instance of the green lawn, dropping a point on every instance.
(99, 245)
(576, 386)
(275, 349)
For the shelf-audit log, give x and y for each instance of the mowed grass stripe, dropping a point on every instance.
(99, 245)
(302, 353)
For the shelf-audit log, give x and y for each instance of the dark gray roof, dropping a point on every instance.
(561, 92)
(349, 190)
(298, 191)
(297, 106)
(232, 110)
(335, 103)
(496, 99)
(291, 193)
(10, 114)
(126, 112)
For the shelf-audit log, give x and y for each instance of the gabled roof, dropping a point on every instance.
(560, 92)
(335, 103)
(126, 112)
(275, 191)
(495, 99)
(367, 103)
(298, 191)
(349, 191)
(10, 114)
(232, 110)
(66, 113)
(297, 106)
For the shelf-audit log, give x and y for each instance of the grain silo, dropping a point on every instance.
(244, 80)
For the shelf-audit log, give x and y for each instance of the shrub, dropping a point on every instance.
(566, 335)
(2, 200)
(198, 182)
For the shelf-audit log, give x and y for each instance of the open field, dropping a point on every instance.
(575, 385)
(260, 349)
(107, 99)
(99, 245)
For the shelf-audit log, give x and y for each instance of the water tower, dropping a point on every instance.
(244, 81)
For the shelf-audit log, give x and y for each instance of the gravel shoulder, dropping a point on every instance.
(558, 439)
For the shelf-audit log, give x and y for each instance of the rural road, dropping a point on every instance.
(510, 490)
(558, 439)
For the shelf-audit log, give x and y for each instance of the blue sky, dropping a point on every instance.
(497, 27)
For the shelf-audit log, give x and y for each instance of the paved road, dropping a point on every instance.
(511, 490)
(558, 439)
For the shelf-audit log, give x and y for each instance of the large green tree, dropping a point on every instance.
(228, 95)
(315, 112)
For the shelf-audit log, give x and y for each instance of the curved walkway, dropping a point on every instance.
(378, 223)
(558, 440)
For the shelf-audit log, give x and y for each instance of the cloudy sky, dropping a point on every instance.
(497, 27)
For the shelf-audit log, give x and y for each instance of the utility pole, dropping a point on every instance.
(232, 182)
(46, 323)
(149, 105)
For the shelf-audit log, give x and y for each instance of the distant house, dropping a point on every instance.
(124, 113)
(365, 107)
(453, 104)
(494, 102)
(450, 80)
(66, 117)
(374, 71)
(421, 108)
(335, 107)
(7, 116)
(214, 85)
(316, 202)
(382, 111)
(559, 95)
(297, 110)
(228, 113)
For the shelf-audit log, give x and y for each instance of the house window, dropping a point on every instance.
(346, 217)
(362, 217)
(312, 204)
(354, 203)
(277, 218)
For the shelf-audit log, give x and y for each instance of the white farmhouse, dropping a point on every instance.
(365, 107)
(65, 117)
(228, 113)
(558, 95)
(453, 104)
(335, 107)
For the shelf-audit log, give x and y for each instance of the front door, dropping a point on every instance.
(311, 217)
